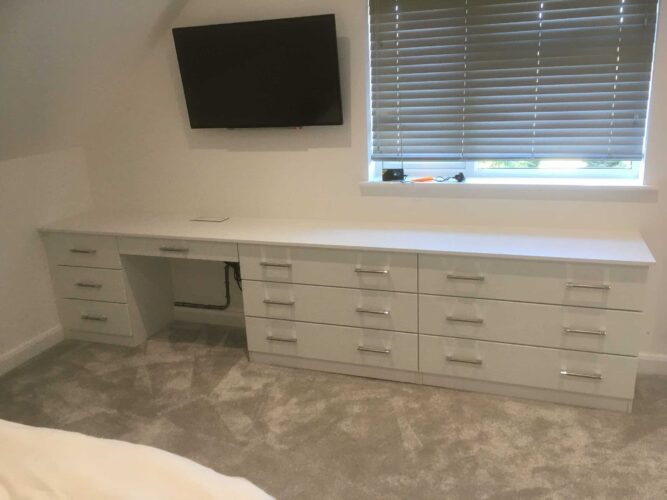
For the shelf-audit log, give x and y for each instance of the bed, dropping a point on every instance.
(39, 463)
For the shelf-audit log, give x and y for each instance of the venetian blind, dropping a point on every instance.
(497, 79)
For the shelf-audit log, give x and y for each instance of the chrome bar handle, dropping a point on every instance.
(370, 349)
(94, 317)
(280, 339)
(592, 376)
(275, 264)
(468, 361)
(84, 284)
(174, 249)
(455, 319)
(80, 250)
(363, 310)
(601, 333)
(465, 277)
(371, 271)
(572, 284)
(279, 302)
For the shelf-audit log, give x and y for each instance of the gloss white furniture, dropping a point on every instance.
(533, 314)
(104, 296)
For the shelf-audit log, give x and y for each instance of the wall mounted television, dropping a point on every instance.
(275, 73)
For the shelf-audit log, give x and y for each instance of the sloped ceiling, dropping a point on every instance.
(61, 61)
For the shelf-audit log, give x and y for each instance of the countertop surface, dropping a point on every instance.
(559, 245)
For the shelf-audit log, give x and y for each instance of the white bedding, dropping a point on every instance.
(38, 463)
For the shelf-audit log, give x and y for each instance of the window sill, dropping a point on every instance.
(524, 189)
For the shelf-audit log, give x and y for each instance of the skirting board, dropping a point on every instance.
(650, 363)
(30, 348)
(122, 340)
(571, 398)
(230, 317)
(335, 367)
(522, 392)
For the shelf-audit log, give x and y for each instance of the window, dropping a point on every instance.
(555, 88)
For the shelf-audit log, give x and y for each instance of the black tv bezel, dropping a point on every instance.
(231, 126)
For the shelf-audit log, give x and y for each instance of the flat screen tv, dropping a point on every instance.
(277, 73)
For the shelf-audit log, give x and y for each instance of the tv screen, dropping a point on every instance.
(277, 73)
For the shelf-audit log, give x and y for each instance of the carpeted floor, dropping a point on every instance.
(302, 434)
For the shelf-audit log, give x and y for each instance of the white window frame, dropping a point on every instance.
(473, 170)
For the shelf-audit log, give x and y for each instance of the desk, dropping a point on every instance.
(531, 313)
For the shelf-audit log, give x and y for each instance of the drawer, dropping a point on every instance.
(580, 328)
(333, 267)
(333, 343)
(82, 250)
(180, 249)
(335, 306)
(541, 367)
(90, 283)
(98, 317)
(591, 285)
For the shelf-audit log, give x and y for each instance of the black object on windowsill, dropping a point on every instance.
(393, 174)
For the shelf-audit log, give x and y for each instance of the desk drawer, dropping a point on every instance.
(591, 285)
(333, 267)
(580, 328)
(71, 249)
(335, 306)
(90, 284)
(572, 371)
(97, 317)
(333, 343)
(180, 249)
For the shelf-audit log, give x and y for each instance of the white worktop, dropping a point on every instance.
(601, 247)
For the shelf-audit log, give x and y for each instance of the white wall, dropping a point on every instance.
(103, 75)
(203, 282)
(33, 191)
(144, 155)
(60, 63)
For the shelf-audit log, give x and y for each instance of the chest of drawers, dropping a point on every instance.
(346, 311)
(103, 296)
(555, 330)
(549, 317)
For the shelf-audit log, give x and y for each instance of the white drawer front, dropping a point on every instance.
(180, 249)
(333, 343)
(335, 306)
(573, 371)
(90, 283)
(580, 328)
(83, 250)
(97, 317)
(321, 266)
(592, 285)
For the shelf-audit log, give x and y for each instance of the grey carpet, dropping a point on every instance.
(303, 434)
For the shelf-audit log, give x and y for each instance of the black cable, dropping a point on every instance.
(228, 299)
(237, 273)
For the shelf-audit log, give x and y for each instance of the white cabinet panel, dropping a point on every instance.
(90, 283)
(72, 249)
(333, 267)
(591, 285)
(571, 371)
(580, 328)
(179, 249)
(333, 343)
(98, 317)
(336, 306)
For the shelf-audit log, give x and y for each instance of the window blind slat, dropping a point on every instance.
(492, 79)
